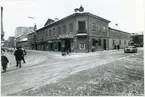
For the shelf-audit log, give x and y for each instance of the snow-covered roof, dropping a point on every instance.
(24, 39)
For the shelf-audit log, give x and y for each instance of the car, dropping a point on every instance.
(130, 49)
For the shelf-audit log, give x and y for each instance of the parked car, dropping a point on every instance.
(130, 49)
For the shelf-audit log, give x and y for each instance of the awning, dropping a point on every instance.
(82, 34)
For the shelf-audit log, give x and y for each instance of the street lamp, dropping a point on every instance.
(35, 28)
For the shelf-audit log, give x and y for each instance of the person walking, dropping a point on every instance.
(24, 53)
(18, 56)
(4, 62)
(118, 47)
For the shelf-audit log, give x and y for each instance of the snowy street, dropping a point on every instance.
(47, 73)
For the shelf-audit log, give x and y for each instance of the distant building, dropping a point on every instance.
(10, 42)
(22, 32)
(78, 32)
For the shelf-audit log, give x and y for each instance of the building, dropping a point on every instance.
(78, 32)
(21, 34)
(118, 37)
(10, 42)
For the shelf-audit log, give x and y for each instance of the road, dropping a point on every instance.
(44, 68)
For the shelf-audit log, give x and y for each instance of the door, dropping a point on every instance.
(104, 46)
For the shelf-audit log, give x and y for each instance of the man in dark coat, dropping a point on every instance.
(18, 55)
(4, 62)
(118, 47)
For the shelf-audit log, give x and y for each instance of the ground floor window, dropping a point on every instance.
(99, 42)
(82, 46)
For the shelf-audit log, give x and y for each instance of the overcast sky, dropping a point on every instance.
(128, 14)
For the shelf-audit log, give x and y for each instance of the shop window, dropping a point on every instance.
(99, 42)
(82, 46)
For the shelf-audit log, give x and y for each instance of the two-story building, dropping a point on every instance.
(78, 32)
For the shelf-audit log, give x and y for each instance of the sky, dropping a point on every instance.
(128, 14)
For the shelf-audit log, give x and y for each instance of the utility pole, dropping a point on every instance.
(2, 32)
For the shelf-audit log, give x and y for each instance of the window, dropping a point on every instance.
(99, 28)
(82, 46)
(50, 32)
(59, 30)
(99, 42)
(46, 33)
(120, 42)
(53, 31)
(81, 25)
(93, 27)
(71, 27)
(125, 42)
(113, 42)
(104, 29)
(64, 29)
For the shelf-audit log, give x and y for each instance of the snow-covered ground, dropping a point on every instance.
(44, 67)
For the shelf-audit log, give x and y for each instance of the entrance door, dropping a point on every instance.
(59, 46)
(104, 46)
(68, 44)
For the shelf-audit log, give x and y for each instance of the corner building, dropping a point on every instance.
(78, 32)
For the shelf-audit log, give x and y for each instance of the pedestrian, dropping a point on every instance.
(18, 56)
(118, 47)
(4, 62)
(24, 53)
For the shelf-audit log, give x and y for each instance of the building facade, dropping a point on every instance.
(79, 32)
(118, 37)
(21, 33)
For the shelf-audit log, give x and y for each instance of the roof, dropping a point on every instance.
(72, 15)
(24, 39)
(119, 30)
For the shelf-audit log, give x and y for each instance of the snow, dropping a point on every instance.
(45, 67)
(25, 39)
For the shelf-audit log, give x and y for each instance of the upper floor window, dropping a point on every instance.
(124, 41)
(71, 27)
(81, 25)
(64, 29)
(120, 42)
(46, 33)
(99, 28)
(59, 30)
(104, 29)
(53, 31)
(50, 32)
(93, 27)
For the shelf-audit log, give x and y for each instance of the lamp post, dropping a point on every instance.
(35, 28)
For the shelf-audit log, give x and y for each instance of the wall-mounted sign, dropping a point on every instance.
(82, 46)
